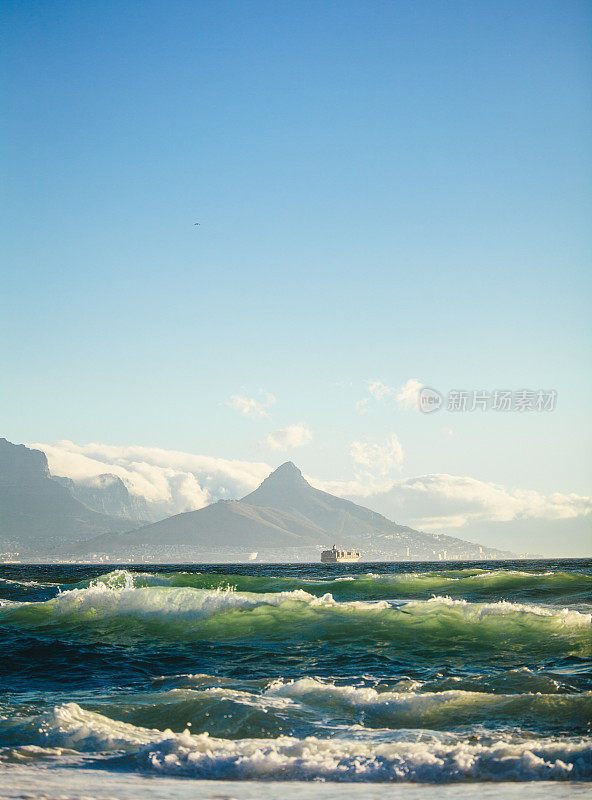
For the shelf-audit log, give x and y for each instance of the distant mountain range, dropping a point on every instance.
(37, 510)
(108, 494)
(285, 519)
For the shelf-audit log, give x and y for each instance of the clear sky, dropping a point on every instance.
(385, 191)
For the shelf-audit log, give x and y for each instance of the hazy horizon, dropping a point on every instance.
(492, 515)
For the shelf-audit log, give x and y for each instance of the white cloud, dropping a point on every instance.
(408, 395)
(171, 481)
(362, 406)
(250, 406)
(443, 501)
(380, 391)
(296, 435)
(377, 458)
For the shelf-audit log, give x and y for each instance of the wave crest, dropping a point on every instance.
(186, 614)
(473, 584)
(422, 758)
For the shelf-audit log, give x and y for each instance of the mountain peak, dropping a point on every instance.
(285, 469)
(20, 463)
(285, 475)
(281, 483)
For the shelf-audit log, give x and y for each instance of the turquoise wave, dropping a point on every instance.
(475, 584)
(440, 624)
(311, 706)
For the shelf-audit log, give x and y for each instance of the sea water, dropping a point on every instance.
(314, 681)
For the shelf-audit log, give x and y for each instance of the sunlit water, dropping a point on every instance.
(357, 674)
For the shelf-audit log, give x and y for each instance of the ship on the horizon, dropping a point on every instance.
(335, 556)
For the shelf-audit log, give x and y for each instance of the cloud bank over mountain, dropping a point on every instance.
(376, 458)
(170, 480)
(450, 501)
(174, 481)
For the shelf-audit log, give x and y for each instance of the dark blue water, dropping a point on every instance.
(366, 672)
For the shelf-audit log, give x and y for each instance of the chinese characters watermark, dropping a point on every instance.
(521, 400)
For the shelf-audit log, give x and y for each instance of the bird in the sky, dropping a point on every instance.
(196, 224)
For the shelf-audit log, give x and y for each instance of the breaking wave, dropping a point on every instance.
(474, 584)
(176, 613)
(304, 673)
(411, 756)
(306, 706)
(440, 710)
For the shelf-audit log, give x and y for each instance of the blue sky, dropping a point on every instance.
(386, 191)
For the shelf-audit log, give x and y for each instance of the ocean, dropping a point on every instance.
(291, 681)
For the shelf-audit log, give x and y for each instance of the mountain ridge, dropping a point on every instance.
(284, 515)
(37, 510)
(108, 494)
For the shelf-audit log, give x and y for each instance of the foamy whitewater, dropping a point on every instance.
(132, 682)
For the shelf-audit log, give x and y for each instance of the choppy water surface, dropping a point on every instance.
(364, 673)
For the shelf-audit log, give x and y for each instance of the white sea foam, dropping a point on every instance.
(182, 612)
(120, 596)
(287, 758)
(36, 584)
(428, 709)
(170, 602)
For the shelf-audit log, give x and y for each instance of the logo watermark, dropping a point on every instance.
(500, 400)
(429, 400)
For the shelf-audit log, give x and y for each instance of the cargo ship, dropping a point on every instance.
(335, 556)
